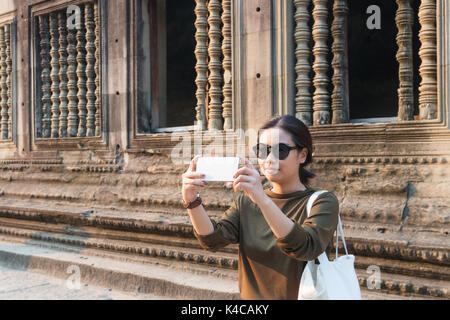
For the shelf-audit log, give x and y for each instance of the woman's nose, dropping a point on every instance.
(272, 161)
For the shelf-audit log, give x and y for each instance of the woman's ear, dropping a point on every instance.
(302, 155)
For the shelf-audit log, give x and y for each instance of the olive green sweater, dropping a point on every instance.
(271, 268)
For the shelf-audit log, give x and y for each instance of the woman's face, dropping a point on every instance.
(281, 171)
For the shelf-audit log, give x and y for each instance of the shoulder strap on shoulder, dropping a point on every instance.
(313, 198)
(339, 229)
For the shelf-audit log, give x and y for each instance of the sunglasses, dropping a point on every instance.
(280, 151)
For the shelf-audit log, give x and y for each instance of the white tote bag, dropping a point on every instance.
(330, 280)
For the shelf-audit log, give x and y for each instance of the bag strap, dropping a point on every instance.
(313, 198)
(341, 231)
(339, 228)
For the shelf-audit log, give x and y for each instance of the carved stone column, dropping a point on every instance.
(45, 76)
(54, 74)
(90, 72)
(63, 110)
(201, 54)
(3, 86)
(405, 20)
(8, 38)
(303, 99)
(340, 99)
(321, 66)
(227, 77)
(72, 84)
(97, 70)
(215, 121)
(81, 73)
(428, 55)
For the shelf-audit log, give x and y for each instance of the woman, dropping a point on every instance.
(275, 237)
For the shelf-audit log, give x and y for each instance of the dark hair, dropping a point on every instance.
(300, 135)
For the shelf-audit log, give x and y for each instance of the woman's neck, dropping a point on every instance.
(287, 188)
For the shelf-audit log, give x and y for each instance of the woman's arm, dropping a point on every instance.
(211, 234)
(280, 224)
(200, 221)
(192, 183)
(303, 242)
(307, 241)
(223, 232)
(248, 179)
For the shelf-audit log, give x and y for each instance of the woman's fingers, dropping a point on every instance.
(242, 181)
(190, 176)
(241, 186)
(193, 164)
(245, 171)
(194, 187)
(193, 175)
(195, 182)
(243, 178)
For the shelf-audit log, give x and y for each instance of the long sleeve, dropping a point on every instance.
(307, 241)
(226, 229)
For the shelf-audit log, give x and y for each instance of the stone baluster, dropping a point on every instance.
(227, 77)
(54, 75)
(97, 70)
(201, 67)
(8, 37)
(428, 55)
(404, 20)
(81, 73)
(321, 66)
(340, 99)
(215, 121)
(303, 99)
(45, 76)
(63, 108)
(72, 126)
(3, 86)
(90, 72)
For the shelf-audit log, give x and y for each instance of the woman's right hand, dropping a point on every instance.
(192, 181)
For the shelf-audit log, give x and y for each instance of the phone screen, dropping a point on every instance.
(218, 168)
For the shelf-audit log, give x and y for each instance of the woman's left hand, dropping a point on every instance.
(248, 179)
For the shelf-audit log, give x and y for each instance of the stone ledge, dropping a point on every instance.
(192, 255)
(405, 268)
(175, 249)
(20, 285)
(120, 275)
(403, 285)
(18, 253)
(121, 251)
(416, 247)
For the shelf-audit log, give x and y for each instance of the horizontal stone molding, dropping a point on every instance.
(392, 283)
(126, 277)
(317, 159)
(381, 160)
(363, 246)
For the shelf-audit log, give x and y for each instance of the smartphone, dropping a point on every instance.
(218, 168)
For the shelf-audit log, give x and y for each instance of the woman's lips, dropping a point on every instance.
(270, 171)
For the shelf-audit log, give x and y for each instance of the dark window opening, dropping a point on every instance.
(373, 66)
(180, 63)
(166, 71)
